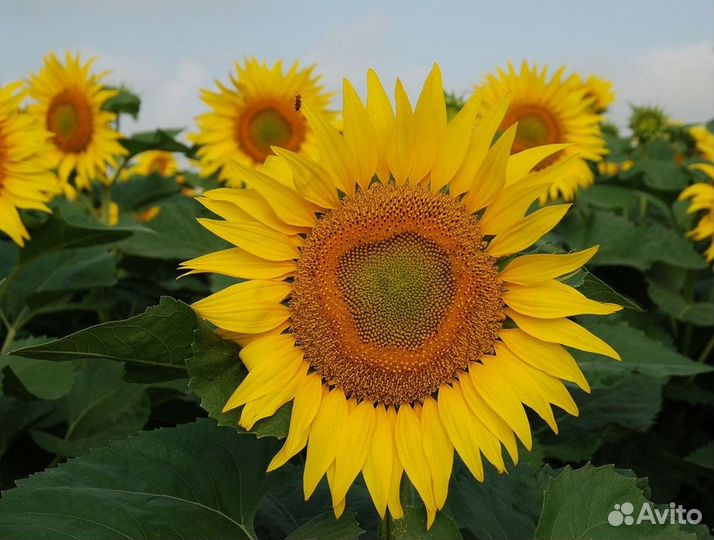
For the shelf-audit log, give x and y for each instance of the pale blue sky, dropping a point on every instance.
(656, 51)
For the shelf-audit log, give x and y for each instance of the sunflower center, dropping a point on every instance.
(536, 126)
(70, 119)
(269, 123)
(394, 294)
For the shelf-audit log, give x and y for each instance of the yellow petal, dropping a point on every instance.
(499, 395)
(377, 470)
(456, 144)
(438, 450)
(359, 134)
(236, 262)
(531, 269)
(481, 140)
(550, 358)
(401, 144)
(255, 238)
(311, 180)
(395, 483)
(523, 162)
(322, 441)
(527, 231)
(563, 331)
(493, 422)
(410, 448)
(353, 445)
(454, 416)
(429, 126)
(284, 201)
(511, 204)
(267, 405)
(553, 299)
(491, 176)
(380, 112)
(250, 307)
(273, 360)
(335, 154)
(305, 406)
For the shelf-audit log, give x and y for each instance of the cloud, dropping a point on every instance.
(678, 79)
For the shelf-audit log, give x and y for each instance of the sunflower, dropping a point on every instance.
(549, 111)
(153, 162)
(701, 194)
(599, 90)
(68, 100)
(375, 300)
(26, 177)
(257, 112)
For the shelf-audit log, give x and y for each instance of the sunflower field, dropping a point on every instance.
(323, 313)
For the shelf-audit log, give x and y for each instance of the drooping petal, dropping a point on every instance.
(553, 299)
(532, 269)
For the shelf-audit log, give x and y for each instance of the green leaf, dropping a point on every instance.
(639, 352)
(626, 244)
(215, 372)
(125, 102)
(502, 507)
(326, 527)
(674, 304)
(174, 235)
(703, 456)
(160, 139)
(16, 416)
(578, 502)
(41, 379)
(59, 234)
(630, 403)
(153, 345)
(661, 174)
(596, 289)
(141, 192)
(193, 481)
(616, 197)
(100, 407)
(413, 526)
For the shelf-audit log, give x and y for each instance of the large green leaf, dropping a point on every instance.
(174, 235)
(153, 345)
(616, 197)
(192, 481)
(160, 139)
(578, 502)
(58, 234)
(125, 102)
(626, 244)
(661, 174)
(99, 408)
(596, 289)
(639, 352)
(16, 416)
(674, 304)
(501, 508)
(142, 191)
(216, 371)
(413, 526)
(326, 527)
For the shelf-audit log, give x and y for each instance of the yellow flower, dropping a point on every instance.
(26, 177)
(704, 140)
(702, 198)
(149, 214)
(599, 90)
(68, 100)
(382, 313)
(153, 162)
(257, 112)
(549, 111)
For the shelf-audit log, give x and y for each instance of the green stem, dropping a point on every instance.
(106, 208)
(385, 527)
(9, 339)
(707, 351)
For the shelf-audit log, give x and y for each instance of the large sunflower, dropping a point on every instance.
(379, 305)
(549, 111)
(68, 100)
(26, 177)
(257, 112)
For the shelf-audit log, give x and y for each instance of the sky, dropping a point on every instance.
(656, 52)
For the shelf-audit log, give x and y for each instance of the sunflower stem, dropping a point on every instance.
(106, 212)
(385, 527)
(706, 351)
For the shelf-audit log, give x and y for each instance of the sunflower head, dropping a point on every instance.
(67, 99)
(258, 110)
(26, 177)
(383, 295)
(649, 123)
(600, 91)
(548, 111)
(153, 162)
(704, 141)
